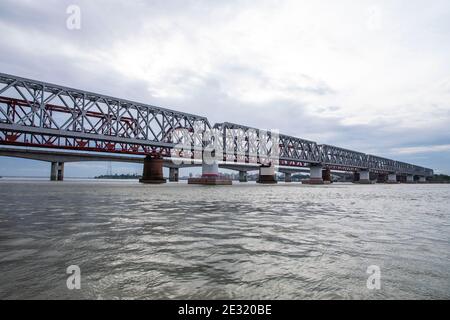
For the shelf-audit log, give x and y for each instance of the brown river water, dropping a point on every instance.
(244, 241)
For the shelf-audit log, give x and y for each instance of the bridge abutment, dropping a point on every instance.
(174, 174)
(57, 171)
(267, 174)
(153, 171)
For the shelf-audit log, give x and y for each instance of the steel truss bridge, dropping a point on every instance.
(44, 115)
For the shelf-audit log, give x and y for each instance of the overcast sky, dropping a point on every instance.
(373, 76)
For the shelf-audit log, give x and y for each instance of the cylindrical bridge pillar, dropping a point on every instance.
(267, 174)
(153, 171)
(243, 176)
(57, 171)
(174, 174)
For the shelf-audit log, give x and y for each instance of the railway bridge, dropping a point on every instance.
(53, 123)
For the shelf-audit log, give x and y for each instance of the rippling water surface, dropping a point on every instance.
(244, 241)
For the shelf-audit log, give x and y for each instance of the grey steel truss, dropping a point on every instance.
(238, 147)
(39, 114)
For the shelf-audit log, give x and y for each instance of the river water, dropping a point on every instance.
(244, 241)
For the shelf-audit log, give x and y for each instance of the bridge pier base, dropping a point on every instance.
(409, 178)
(422, 179)
(315, 175)
(288, 177)
(267, 175)
(392, 178)
(153, 171)
(326, 175)
(210, 176)
(174, 174)
(381, 178)
(243, 176)
(364, 177)
(57, 171)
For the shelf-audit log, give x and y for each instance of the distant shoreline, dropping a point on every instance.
(119, 177)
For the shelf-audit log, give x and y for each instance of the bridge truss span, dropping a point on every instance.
(342, 159)
(39, 114)
(44, 115)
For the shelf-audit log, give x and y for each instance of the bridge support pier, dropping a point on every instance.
(422, 179)
(382, 178)
(392, 178)
(57, 171)
(210, 176)
(288, 177)
(153, 171)
(267, 174)
(364, 177)
(243, 176)
(174, 174)
(315, 175)
(326, 175)
(409, 178)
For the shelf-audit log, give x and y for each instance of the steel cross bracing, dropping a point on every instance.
(342, 159)
(298, 152)
(245, 143)
(38, 114)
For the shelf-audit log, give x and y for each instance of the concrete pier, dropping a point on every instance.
(243, 176)
(422, 179)
(410, 178)
(326, 175)
(392, 178)
(315, 175)
(267, 174)
(381, 178)
(57, 171)
(364, 177)
(174, 174)
(288, 177)
(210, 176)
(153, 171)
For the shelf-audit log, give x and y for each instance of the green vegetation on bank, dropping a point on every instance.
(440, 178)
(119, 176)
